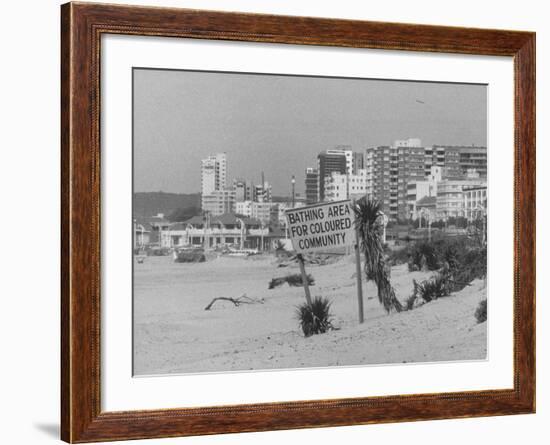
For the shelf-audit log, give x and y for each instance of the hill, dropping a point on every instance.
(151, 203)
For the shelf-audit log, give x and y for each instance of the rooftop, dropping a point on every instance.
(225, 219)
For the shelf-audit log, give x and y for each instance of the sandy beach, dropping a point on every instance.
(174, 334)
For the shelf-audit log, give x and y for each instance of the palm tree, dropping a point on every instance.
(368, 221)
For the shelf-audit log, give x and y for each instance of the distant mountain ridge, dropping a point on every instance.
(148, 204)
(151, 203)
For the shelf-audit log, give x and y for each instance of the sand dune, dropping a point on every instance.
(174, 334)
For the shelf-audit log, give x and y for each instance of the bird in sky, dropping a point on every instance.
(420, 101)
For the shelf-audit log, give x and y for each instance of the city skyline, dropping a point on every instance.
(279, 124)
(397, 176)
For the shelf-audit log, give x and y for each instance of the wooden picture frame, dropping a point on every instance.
(82, 25)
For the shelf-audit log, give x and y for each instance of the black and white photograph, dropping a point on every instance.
(235, 222)
(288, 222)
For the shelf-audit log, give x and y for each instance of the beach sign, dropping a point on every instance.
(321, 227)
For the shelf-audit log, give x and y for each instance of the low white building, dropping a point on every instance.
(416, 190)
(475, 201)
(426, 208)
(257, 210)
(147, 230)
(261, 211)
(243, 208)
(217, 231)
(141, 235)
(450, 196)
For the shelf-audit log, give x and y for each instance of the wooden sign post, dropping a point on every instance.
(358, 274)
(304, 278)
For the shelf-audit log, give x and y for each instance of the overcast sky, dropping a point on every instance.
(278, 124)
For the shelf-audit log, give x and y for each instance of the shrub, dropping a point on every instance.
(481, 311)
(473, 264)
(461, 258)
(450, 255)
(398, 256)
(432, 289)
(292, 280)
(423, 254)
(276, 282)
(461, 222)
(296, 280)
(315, 319)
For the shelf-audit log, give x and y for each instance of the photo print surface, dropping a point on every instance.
(284, 222)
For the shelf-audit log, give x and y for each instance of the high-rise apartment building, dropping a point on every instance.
(381, 165)
(355, 161)
(208, 176)
(473, 157)
(458, 159)
(341, 159)
(244, 189)
(213, 174)
(312, 185)
(391, 169)
(411, 167)
(347, 152)
(328, 162)
(262, 192)
(343, 186)
(219, 202)
(358, 162)
(411, 142)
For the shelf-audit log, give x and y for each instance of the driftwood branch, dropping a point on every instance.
(243, 299)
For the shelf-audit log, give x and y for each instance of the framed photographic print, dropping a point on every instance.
(274, 222)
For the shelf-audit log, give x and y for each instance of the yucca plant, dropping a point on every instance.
(411, 301)
(367, 219)
(315, 319)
